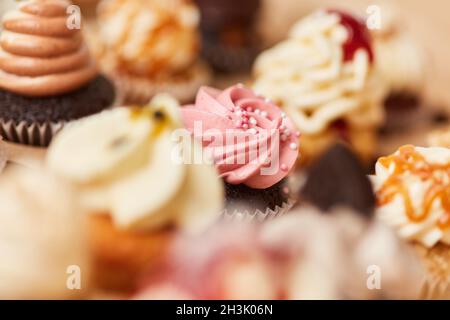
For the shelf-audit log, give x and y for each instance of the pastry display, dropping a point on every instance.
(230, 39)
(135, 192)
(152, 46)
(251, 141)
(47, 75)
(412, 188)
(324, 77)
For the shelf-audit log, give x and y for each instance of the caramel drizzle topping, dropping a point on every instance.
(408, 160)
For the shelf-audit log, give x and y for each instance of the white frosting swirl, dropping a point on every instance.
(418, 186)
(307, 75)
(145, 37)
(130, 169)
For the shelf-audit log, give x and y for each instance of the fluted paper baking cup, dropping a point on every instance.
(436, 284)
(140, 90)
(34, 134)
(258, 215)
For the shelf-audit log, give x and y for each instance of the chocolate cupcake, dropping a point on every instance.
(253, 144)
(47, 76)
(230, 42)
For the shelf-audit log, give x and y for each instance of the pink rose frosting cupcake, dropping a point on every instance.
(252, 143)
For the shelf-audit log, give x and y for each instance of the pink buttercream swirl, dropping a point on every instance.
(250, 140)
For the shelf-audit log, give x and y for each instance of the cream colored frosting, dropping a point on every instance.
(148, 37)
(308, 77)
(41, 236)
(128, 168)
(417, 186)
(400, 61)
(39, 54)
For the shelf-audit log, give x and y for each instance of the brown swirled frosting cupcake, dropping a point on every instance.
(47, 75)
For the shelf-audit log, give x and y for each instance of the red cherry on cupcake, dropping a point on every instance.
(358, 36)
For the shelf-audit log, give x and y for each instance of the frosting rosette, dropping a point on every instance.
(413, 192)
(323, 73)
(40, 53)
(148, 37)
(250, 140)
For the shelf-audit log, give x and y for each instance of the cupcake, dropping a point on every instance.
(42, 239)
(401, 64)
(151, 47)
(124, 167)
(47, 76)
(412, 188)
(230, 41)
(253, 145)
(323, 76)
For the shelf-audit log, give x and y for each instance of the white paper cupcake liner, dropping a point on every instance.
(3, 155)
(258, 215)
(434, 289)
(436, 283)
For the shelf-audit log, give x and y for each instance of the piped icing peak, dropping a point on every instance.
(413, 192)
(250, 140)
(39, 54)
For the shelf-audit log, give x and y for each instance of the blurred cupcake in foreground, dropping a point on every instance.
(152, 46)
(121, 162)
(253, 145)
(230, 41)
(323, 76)
(42, 239)
(309, 253)
(401, 64)
(413, 192)
(47, 75)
